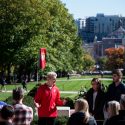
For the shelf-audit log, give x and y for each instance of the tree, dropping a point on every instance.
(102, 62)
(115, 58)
(28, 25)
(88, 61)
(77, 55)
(16, 29)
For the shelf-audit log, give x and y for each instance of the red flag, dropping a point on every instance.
(42, 58)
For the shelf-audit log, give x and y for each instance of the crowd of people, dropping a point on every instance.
(96, 105)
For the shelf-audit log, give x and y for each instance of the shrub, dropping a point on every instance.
(33, 91)
(62, 120)
(69, 103)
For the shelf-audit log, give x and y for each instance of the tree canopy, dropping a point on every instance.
(115, 58)
(89, 62)
(28, 25)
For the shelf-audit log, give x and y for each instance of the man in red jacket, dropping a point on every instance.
(46, 99)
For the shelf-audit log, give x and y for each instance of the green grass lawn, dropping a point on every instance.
(74, 84)
(77, 84)
(30, 85)
(4, 95)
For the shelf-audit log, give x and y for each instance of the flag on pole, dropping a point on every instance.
(42, 60)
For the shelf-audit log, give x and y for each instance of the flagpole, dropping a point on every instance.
(37, 75)
(37, 67)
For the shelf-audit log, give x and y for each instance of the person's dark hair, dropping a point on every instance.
(7, 112)
(18, 94)
(96, 80)
(117, 72)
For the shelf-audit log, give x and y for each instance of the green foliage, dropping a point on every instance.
(102, 62)
(77, 55)
(33, 90)
(88, 61)
(62, 120)
(28, 25)
(69, 103)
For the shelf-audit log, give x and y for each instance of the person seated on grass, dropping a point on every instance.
(23, 113)
(81, 115)
(6, 115)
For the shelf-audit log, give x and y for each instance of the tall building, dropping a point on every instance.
(81, 26)
(80, 23)
(100, 26)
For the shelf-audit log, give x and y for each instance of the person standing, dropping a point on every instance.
(68, 76)
(24, 81)
(46, 99)
(3, 82)
(116, 88)
(96, 99)
(23, 113)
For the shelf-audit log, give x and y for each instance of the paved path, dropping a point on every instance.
(63, 92)
(69, 92)
(85, 79)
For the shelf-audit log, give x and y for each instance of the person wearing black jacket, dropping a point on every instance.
(96, 99)
(116, 88)
(81, 115)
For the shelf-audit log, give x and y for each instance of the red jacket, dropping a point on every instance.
(48, 99)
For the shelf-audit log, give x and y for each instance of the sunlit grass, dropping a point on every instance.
(73, 84)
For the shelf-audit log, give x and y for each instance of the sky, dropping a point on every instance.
(86, 8)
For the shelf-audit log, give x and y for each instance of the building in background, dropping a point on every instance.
(80, 23)
(99, 26)
(115, 39)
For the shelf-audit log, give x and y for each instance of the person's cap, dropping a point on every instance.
(2, 104)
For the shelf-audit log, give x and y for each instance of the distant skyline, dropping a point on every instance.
(85, 8)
